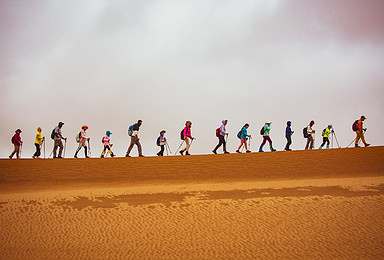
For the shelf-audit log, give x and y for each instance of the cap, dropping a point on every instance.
(162, 131)
(268, 122)
(84, 126)
(363, 117)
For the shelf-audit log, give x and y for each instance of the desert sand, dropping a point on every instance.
(326, 204)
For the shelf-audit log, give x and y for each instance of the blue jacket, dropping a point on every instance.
(244, 133)
(288, 130)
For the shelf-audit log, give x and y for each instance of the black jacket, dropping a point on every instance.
(136, 127)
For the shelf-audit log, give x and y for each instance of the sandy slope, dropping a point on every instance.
(283, 205)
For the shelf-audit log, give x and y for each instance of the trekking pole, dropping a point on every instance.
(337, 142)
(21, 149)
(44, 147)
(89, 148)
(65, 146)
(226, 139)
(179, 147)
(166, 149)
(249, 143)
(169, 148)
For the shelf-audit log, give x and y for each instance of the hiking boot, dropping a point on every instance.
(187, 153)
(356, 145)
(226, 152)
(181, 152)
(320, 147)
(59, 157)
(73, 156)
(237, 151)
(214, 152)
(366, 145)
(86, 156)
(127, 155)
(141, 155)
(10, 157)
(102, 156)
(248, 151)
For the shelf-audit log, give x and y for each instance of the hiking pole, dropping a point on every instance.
(89, 148)
(169, 148)
(179, 147)
(166, 148)
(249, 143)
(65, 146)
(337, 142)
(44, 147)
(21, 149)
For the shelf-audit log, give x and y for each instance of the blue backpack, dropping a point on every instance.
(239, 134)
(130, 130)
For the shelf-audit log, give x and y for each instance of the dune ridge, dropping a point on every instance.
(247, 206)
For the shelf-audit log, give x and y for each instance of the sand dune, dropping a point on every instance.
(284, 205)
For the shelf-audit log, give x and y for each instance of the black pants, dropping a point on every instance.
(221, 142)
(289, 141)
(37, 153)
(325, 140)
(161, 153)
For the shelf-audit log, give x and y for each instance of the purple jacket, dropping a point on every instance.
(222, 128)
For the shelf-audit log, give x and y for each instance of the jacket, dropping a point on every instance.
(222, 128)
(187, 132)
(288, 130)
(39, 138)
(17, 139)
(244, 133)
(267, 128)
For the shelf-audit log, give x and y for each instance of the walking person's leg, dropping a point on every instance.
(309, 139)
(15, 150)
(139, 147)
(81, 144)
(224, 145)
(55, 146)
(217, 146)
(262, 144)
(61, 146)
(312, 143)
(327, 141)
(188, 144)
(161, 153)
(324, 141)
(130, 146)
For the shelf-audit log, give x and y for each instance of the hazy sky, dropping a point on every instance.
(109, 63)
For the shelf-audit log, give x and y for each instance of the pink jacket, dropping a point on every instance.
(187, 132)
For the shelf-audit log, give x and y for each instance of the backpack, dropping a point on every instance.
(354, 126)
(323, 133)
(130, 130)
(239, 134)
(158, 141)
(78, 137)
(13, 139)
(182, 134)
(102, 140)
(217, 132)
(305, 133)
(53, 134)
(262, 131)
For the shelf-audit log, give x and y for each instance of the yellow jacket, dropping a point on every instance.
(39, 138)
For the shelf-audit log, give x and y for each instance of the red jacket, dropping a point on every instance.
(16, 139)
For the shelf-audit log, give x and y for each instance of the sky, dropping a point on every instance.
(107, 64)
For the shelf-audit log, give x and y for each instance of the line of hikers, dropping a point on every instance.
(185, 135)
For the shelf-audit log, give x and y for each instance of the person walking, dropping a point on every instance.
(16, 140)
(82, 139)
(187, 135)
(288, 136)
(161, 141)
(310, 135)
(326, 133)
(135, 140)
(58, 143)
(106, 140)
(221, 136)
(265, 132)
(360, 132)
(38, 141)
(243, 135)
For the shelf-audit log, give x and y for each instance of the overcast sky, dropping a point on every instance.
(109, 63)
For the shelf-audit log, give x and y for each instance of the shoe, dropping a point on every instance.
(127, 155)
(33, 157)
(10, 157)
(366, 145)
(187, 153)
(272, 149)
(237, 151)
(141, 155)
(320, 147)
(102, 156)
(356, 145)
(182, 152)
(214, 152)
(75, 156)
(59, 157)
(112, 155)
(158, 154)
(248, 151)
(327, 146)
(226, 152)
(261, 151)
(86, 156)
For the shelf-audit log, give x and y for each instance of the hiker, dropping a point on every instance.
(107, 145)
(133, 131)
(186, 136)
(243, 135)
(38, 141)
(265, 133)
(288, 136)
(57, 137)
(161, 141)
(82, 139)
(16, 140)
(360, 132)
(309, 133)
(326, 133)
(221, 133)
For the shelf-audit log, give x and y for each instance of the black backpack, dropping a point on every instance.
(53, 134)
(262, 131)
(13, 139)
(182, 134)
(158, 141)
(305, 133)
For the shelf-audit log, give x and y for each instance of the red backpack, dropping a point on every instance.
(354, 126)
(217, 132)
